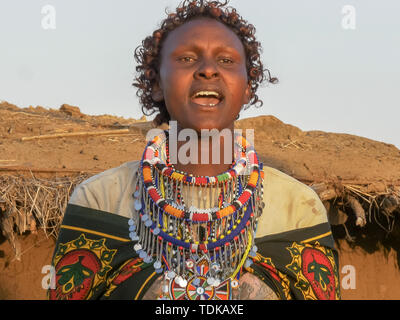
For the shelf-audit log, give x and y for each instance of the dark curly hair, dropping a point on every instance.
(147, 55)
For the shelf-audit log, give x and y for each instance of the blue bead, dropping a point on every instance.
(132, 235)
(159, 270)
(130, 222)
(138, 205)
(148, 223)
(156, 231)
(142, 254)
(252, 254)
(136, 194)
(132, 228)
(145, 217)
(135, 238)
(196, 281)
(248, 263)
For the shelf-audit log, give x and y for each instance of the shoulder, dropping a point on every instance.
(107, 191)
(276, 181)
(123, 172)
(289, 204)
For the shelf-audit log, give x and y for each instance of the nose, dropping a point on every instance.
(206, 70)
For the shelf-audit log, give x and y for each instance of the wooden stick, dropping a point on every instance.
(55, 170)
(358, 210)
(323, 191)
(308, 180)
(76, 134)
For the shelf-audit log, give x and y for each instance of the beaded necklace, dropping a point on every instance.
(200, 246)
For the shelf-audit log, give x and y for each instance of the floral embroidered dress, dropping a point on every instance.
(94, 256)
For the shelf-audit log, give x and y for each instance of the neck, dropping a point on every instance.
(205, 154)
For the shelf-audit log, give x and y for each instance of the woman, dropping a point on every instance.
(179, 226)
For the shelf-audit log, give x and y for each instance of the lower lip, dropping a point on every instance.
(207, 106)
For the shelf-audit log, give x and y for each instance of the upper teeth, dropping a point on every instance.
(207, 93)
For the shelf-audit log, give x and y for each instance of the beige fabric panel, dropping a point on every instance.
(109, 191)
(289, 204)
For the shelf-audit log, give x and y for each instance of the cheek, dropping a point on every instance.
(238, 87)
(174, 83)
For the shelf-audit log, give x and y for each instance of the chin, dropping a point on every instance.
(209, 125)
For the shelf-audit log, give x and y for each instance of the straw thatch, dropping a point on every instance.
(27, 204)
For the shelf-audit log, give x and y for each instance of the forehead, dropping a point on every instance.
(201, 32)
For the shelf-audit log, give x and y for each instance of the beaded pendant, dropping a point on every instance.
(202, 283)
(200, 249)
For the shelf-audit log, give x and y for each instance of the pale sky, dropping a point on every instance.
(331, 78)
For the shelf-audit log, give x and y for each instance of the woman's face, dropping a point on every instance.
(203, 77)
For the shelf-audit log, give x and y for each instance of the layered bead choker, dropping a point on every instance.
(198, 231)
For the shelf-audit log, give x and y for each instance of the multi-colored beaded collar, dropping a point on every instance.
(200, 249)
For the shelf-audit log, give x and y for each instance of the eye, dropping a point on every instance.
(225, 60)
(187, 59)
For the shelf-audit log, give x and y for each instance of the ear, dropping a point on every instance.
(157, 93)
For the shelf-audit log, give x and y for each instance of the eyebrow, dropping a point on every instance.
(195, 47)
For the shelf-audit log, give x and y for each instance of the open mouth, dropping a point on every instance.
(207, 98)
